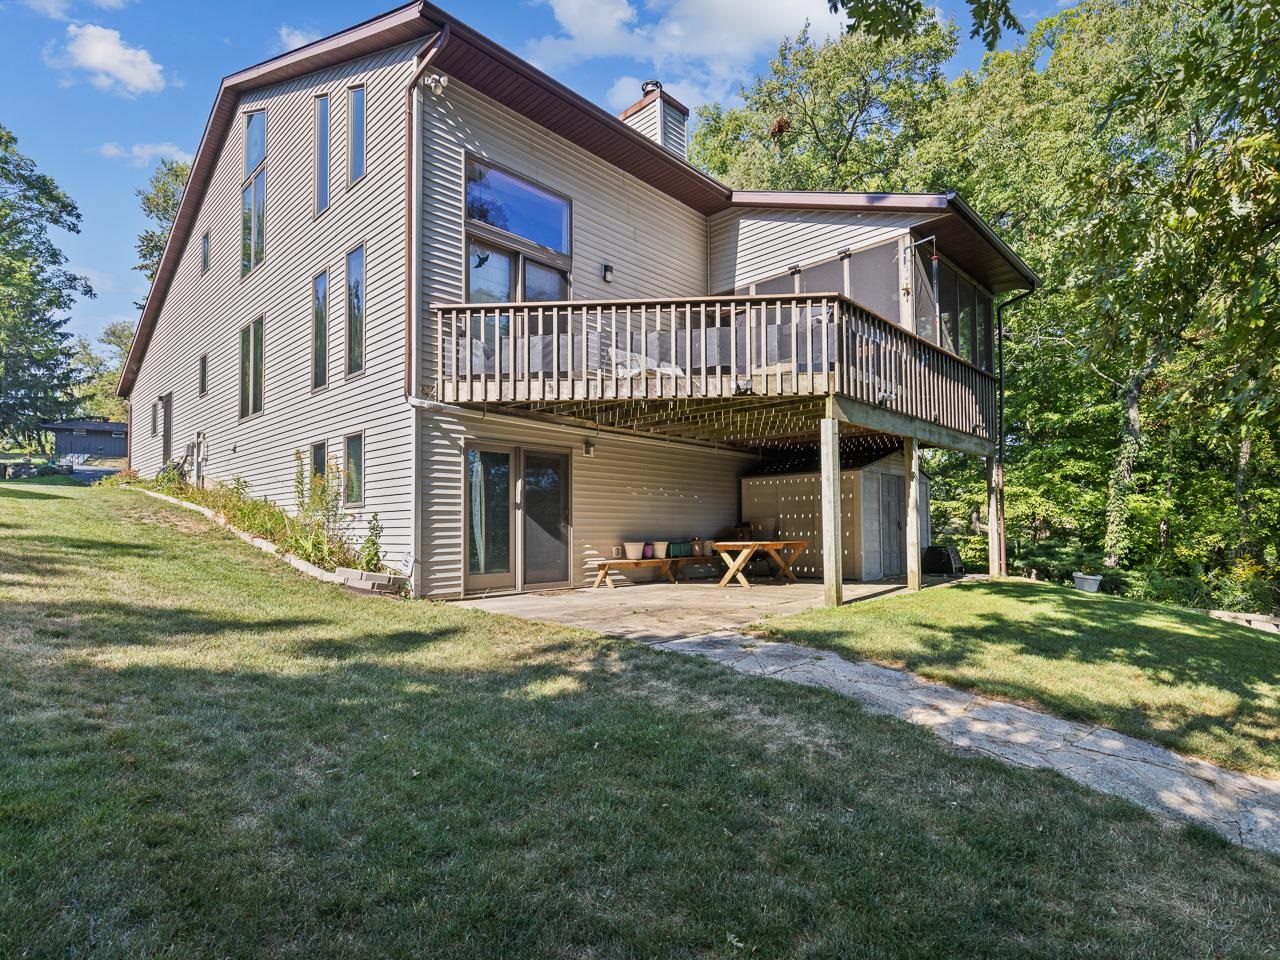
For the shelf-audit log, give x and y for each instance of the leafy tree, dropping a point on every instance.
(36, 290)
(100, 368)
(883, 19)
(835, 116)
(160, 202)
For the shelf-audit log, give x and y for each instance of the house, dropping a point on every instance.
(526, 330)
(89, 437)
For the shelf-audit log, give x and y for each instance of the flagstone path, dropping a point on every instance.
(1242, 808)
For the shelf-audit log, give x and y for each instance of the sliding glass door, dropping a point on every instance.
(518, 531)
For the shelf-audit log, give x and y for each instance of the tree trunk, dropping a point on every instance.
(1119, 522)
(1243, 452)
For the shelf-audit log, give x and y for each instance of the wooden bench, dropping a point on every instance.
(663, 566)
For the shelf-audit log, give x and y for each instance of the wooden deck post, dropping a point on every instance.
(832, 540)
(993, 518)
(911, 456)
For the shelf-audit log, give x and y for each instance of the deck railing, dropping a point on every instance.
(761, 346)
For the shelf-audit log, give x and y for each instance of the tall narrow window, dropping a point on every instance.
(253, 201)
(355, 310)
(251, 361)
(155, 418)
(204, 252)
(204, 374)
(320, 330)
(318, 456)
(322, 154)
(353, 469)
(355, 121)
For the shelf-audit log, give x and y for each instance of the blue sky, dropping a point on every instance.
(99, 90)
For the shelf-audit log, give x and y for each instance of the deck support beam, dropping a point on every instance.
(993, 517)
(832, 539)
(911, 461)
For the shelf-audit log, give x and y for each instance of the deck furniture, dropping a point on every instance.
(663, 566)
(782, 552)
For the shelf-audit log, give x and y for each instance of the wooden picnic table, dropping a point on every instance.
(782, 552)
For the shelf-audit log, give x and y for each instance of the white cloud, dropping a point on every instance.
(144, 154)
(111, 4)
(700, 49)
(57, 9)
(290, 38)
(111, 64)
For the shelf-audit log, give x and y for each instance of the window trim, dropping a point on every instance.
(317, 210)
(204, 253)
(347, 373)
(247, 184)
(328, 292)
(488, 231)
(345, 440)
(364, 133)
(202, 377)
(262, 368)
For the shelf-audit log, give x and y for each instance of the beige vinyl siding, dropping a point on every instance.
(656, 245)
(630, 490)
(674, 130)
(646, 121)
(750, 243)
(203, 314)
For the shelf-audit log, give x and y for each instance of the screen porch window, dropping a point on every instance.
(320, 330)
(251, 368)
(253, 201)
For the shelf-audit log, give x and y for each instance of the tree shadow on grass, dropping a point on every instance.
(1169, 648)
(12, 491)
(556, 799)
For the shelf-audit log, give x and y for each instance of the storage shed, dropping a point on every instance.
(89, 437)
(873, 494)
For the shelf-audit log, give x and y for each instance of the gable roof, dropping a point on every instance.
(477, 61)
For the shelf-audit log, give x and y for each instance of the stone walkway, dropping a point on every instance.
(1244, 809)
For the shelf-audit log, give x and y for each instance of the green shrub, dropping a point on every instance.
(1243, 587)
(972, 547)
(370, 554)
(122, 479)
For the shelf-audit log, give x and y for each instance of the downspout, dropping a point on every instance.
(1004, 551)
(412, 293)
(411, 308)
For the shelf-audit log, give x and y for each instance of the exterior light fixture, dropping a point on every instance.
(588, 448)
(436, 83)
(606, 273)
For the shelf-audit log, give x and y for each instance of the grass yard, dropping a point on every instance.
(204, 754)
(1201, 686)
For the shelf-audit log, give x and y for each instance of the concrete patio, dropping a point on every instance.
(660, 612)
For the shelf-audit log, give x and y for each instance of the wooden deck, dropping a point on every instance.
(729, 369)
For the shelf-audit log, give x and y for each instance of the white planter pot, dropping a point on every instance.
(1087, 582)
(660, 549)
(633, 550)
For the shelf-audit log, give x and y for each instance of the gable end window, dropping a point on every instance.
(155, 418)
(319, 456)
(356, 128)
(355, 310)
(204, 374)
(322, 154)
(513, 205)
(204, 252)
(353, 469)
(320, 330)
(251, 364)
(253, 202)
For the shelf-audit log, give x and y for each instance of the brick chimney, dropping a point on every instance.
(660, 117)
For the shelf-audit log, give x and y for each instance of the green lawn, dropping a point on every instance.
(204, 754)
(1201, 686)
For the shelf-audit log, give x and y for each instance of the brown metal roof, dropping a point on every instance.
(483, 65)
